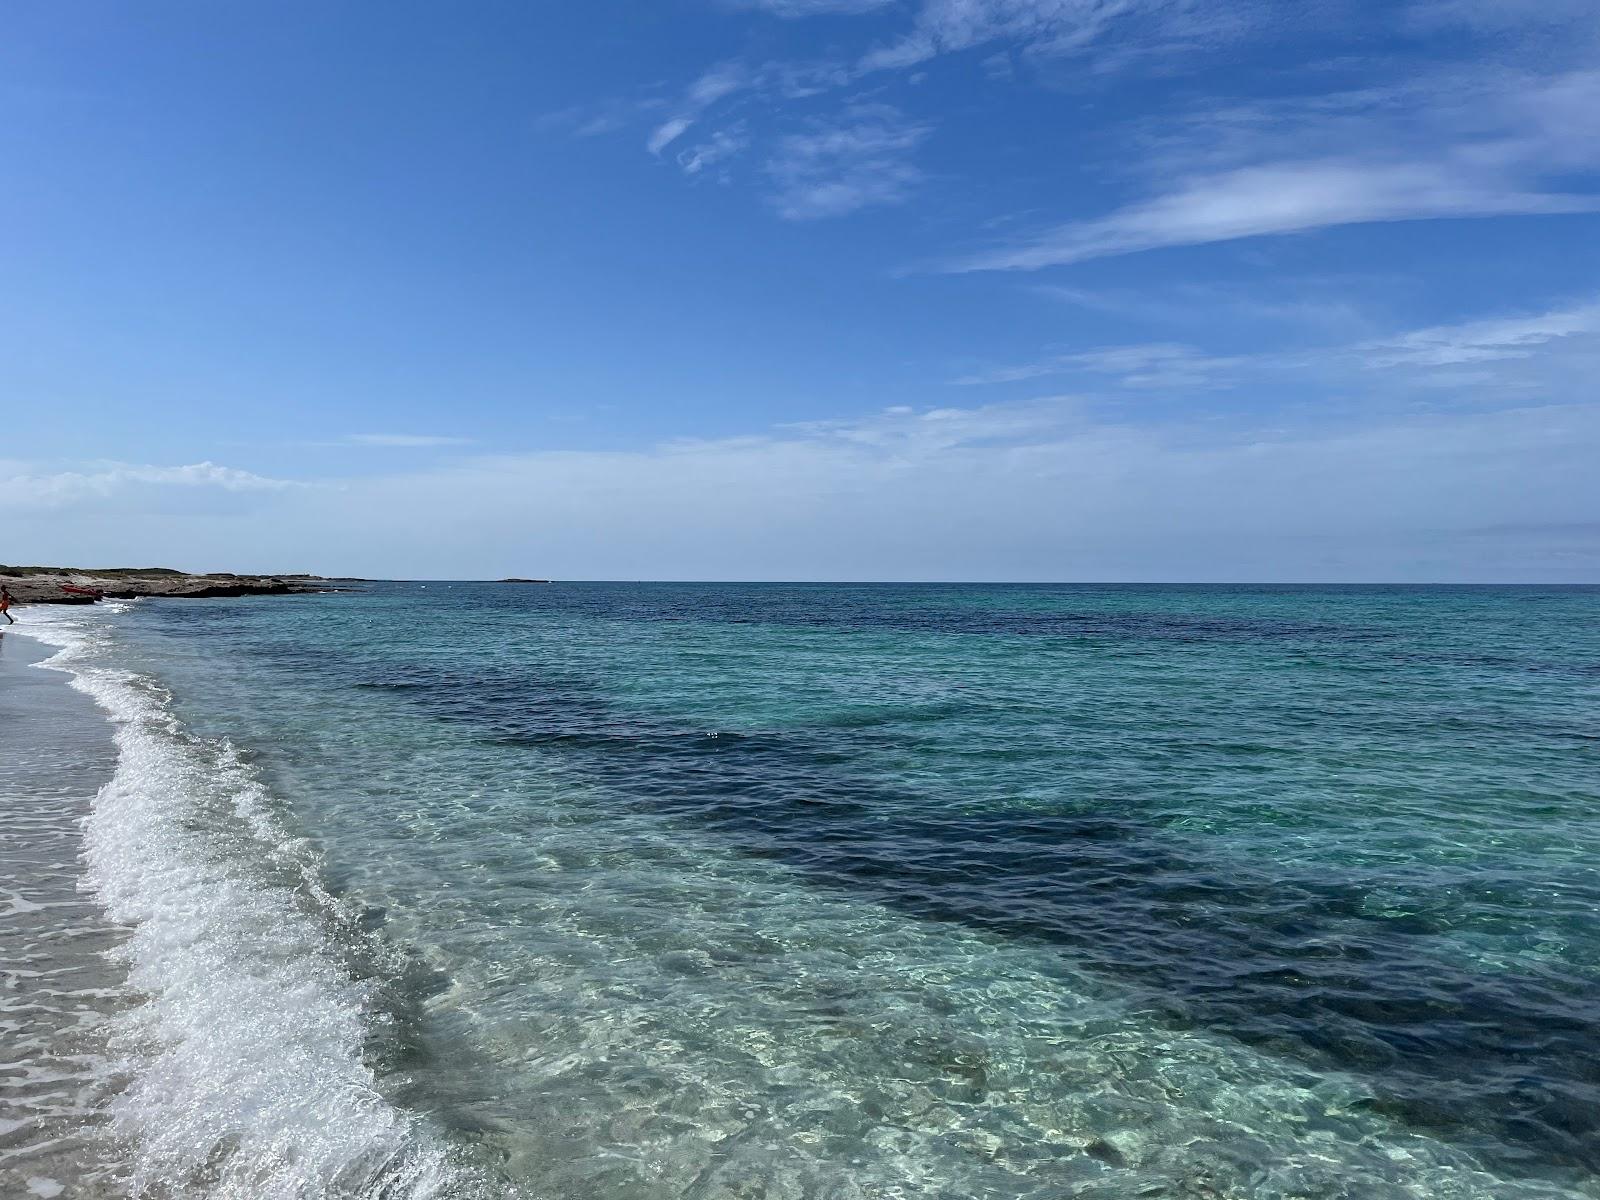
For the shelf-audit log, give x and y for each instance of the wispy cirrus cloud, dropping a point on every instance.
(405, 440)
(1507, 145)
(1480, 142)
(1039, 26)
(1281, 198)
(1561, 18)
(860, 160)
(1508, 359)
(1306, 302)
(1491, 341)
(1145, 365)
(601, 117)
(939, 27)
(810, 8)
(712, 154)
(720, 81)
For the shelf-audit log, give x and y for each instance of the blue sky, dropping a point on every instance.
(801, 289)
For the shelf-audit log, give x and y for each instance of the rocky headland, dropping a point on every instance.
(72, 585)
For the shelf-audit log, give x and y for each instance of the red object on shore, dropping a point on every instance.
(83, 591)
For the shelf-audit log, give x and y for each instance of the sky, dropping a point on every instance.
(1146, 290)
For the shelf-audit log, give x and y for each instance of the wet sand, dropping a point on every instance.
(59, 981)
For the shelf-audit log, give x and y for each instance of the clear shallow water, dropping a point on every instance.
(704, 891)
(57, 989)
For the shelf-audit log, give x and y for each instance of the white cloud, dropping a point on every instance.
(1148, 365)
(666, 133)
(1053, 26)
(1461, 451)
(1039, 27)
(1280, 198)
(1496, 362)
(1566, 17)
(30, 487)
(812, 8)
(721, 81)
(600, 117)
(940, 26)
(1444, 147)
(1479, 140)
(906, 433)
(1049, 488)
(405, 440)
(860, 161)
(1159, 365)
(1476, 342)
(1305, 302)
(1038, 490)
(722, 145)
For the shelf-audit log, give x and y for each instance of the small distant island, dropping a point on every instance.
(519, 579)
(76, 585)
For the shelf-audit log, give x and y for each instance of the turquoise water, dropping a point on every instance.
(607, 890)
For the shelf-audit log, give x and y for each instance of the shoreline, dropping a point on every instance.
(59, 949)
(190, 943)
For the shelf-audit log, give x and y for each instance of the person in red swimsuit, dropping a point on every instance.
(5, 604)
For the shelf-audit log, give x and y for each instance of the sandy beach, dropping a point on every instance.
(61, 977)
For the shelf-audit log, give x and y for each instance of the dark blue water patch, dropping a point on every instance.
(1070, 615)
(1056, 612)
(1295, 964)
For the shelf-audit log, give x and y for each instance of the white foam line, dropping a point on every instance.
(248, 1081)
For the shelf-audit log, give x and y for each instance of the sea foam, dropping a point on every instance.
(245, 1054)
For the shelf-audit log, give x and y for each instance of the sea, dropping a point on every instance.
(622, 891)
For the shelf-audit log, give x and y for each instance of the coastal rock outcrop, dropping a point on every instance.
(68, 585)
